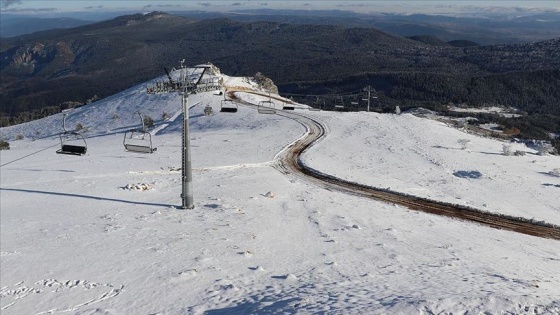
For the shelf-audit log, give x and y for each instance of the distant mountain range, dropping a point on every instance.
(492, 28)
(15, 25)
(487, 29)
(64, 67)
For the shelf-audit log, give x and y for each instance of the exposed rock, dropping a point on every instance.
(265, 83)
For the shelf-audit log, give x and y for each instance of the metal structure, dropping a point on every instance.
(186, 171)
(208, 111)
(266, 107)
(192, 84)
(138, 140)
(319, 105)
(286, 106)
(368, 89)
(173, 85)
(188, 83)
(71, 142)
(228, 106)
(339, 103)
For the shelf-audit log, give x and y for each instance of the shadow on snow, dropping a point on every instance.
(87, 197)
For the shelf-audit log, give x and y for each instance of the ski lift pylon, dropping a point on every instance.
(138, 140)
(71, 142)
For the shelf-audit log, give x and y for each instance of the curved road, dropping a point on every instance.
(289, 162)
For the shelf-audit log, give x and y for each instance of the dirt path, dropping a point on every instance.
(289, 162)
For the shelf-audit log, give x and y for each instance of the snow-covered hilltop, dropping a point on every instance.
(102, 233)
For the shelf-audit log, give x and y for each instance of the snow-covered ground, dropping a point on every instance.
(497, 110)
(425, 158)
(76, 238)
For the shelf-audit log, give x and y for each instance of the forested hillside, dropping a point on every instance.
(48, 71)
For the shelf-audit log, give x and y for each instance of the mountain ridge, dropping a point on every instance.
(58, 68)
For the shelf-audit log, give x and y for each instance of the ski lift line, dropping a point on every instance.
(180, 112)
(30, 154)
(228, 106)
(139, 148)
(72, 149)
(311, 94)
(354, 93)
(67, 140)
(138, 140)
(262, 108)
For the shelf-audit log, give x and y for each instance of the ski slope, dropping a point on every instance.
(103, 234)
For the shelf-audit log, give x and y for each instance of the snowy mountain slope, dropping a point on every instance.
(76, 238)
(424, 158)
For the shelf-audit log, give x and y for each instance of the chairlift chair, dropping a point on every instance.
(317, 103)
(138, 140)
(266, 107)
(286, 106)
(71, 142)
(228, 106)
(339, 103)
(208, 111)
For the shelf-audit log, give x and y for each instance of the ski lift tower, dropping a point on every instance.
(187, 84)
(369, 89)
(186, 170)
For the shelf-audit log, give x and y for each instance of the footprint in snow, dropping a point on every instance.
(285, 277)
(257, 268)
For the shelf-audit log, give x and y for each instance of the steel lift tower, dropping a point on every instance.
(187, 84)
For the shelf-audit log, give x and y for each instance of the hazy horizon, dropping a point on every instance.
(39, 7)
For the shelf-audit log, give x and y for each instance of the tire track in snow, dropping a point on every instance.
(289, 161)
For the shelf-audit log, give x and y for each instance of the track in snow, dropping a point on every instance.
(289, 161)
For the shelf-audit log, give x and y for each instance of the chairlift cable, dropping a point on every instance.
(65, 137)
(30, 154)
(138, 140)
(353, 93)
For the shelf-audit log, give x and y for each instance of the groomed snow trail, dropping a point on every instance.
(289, 161)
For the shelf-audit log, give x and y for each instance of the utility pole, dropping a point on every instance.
(369, 97)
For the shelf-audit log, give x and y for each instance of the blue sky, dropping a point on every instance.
(417, 6)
